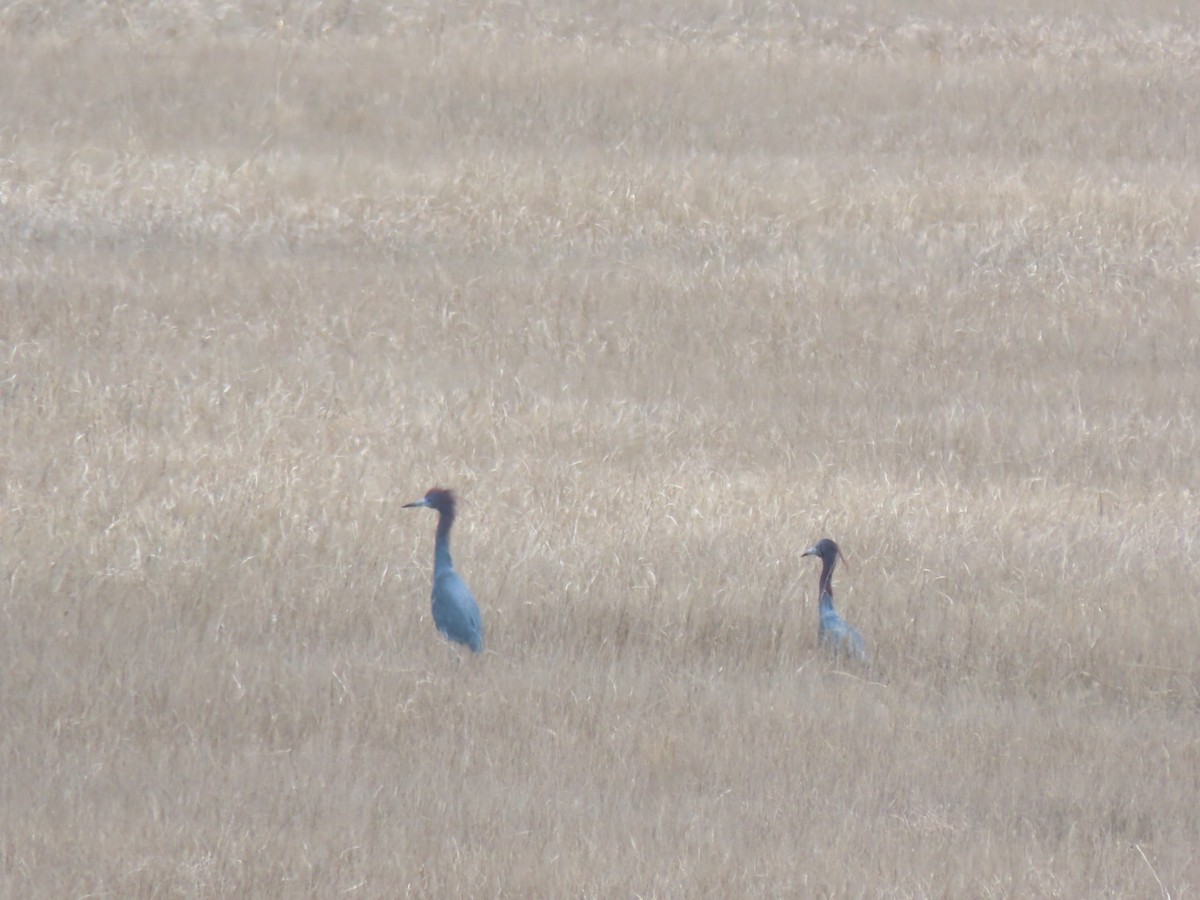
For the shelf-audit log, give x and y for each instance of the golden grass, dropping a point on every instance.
(666, 295)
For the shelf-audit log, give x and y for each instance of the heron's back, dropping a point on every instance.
(838, 634)
(455, 612)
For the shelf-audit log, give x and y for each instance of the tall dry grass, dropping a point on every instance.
(667, 294)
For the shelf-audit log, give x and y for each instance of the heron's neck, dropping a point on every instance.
(826, 601)
(826, 584)
(441, 544)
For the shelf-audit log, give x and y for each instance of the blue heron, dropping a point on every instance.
(834, 632)
(455, 612)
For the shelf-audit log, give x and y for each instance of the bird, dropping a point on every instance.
(455, 612)
(834, 632)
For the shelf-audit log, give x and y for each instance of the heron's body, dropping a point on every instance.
(833, 631)
(455, 612)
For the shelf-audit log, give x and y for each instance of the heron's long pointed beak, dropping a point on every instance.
(811, 551)
(421, 502)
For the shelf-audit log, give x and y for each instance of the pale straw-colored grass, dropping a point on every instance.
(667, 295)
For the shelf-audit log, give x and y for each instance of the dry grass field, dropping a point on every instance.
(667, 292)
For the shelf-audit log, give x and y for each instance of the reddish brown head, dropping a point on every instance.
(828, 552)
(441, 499)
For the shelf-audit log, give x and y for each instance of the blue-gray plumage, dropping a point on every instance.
(455, 612)
(834, 632)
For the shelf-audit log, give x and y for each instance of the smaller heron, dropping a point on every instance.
(834, 632)
(455, 612)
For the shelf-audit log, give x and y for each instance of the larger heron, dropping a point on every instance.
(834, 632)
(455, 612)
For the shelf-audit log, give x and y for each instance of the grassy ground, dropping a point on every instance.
(667, 295)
